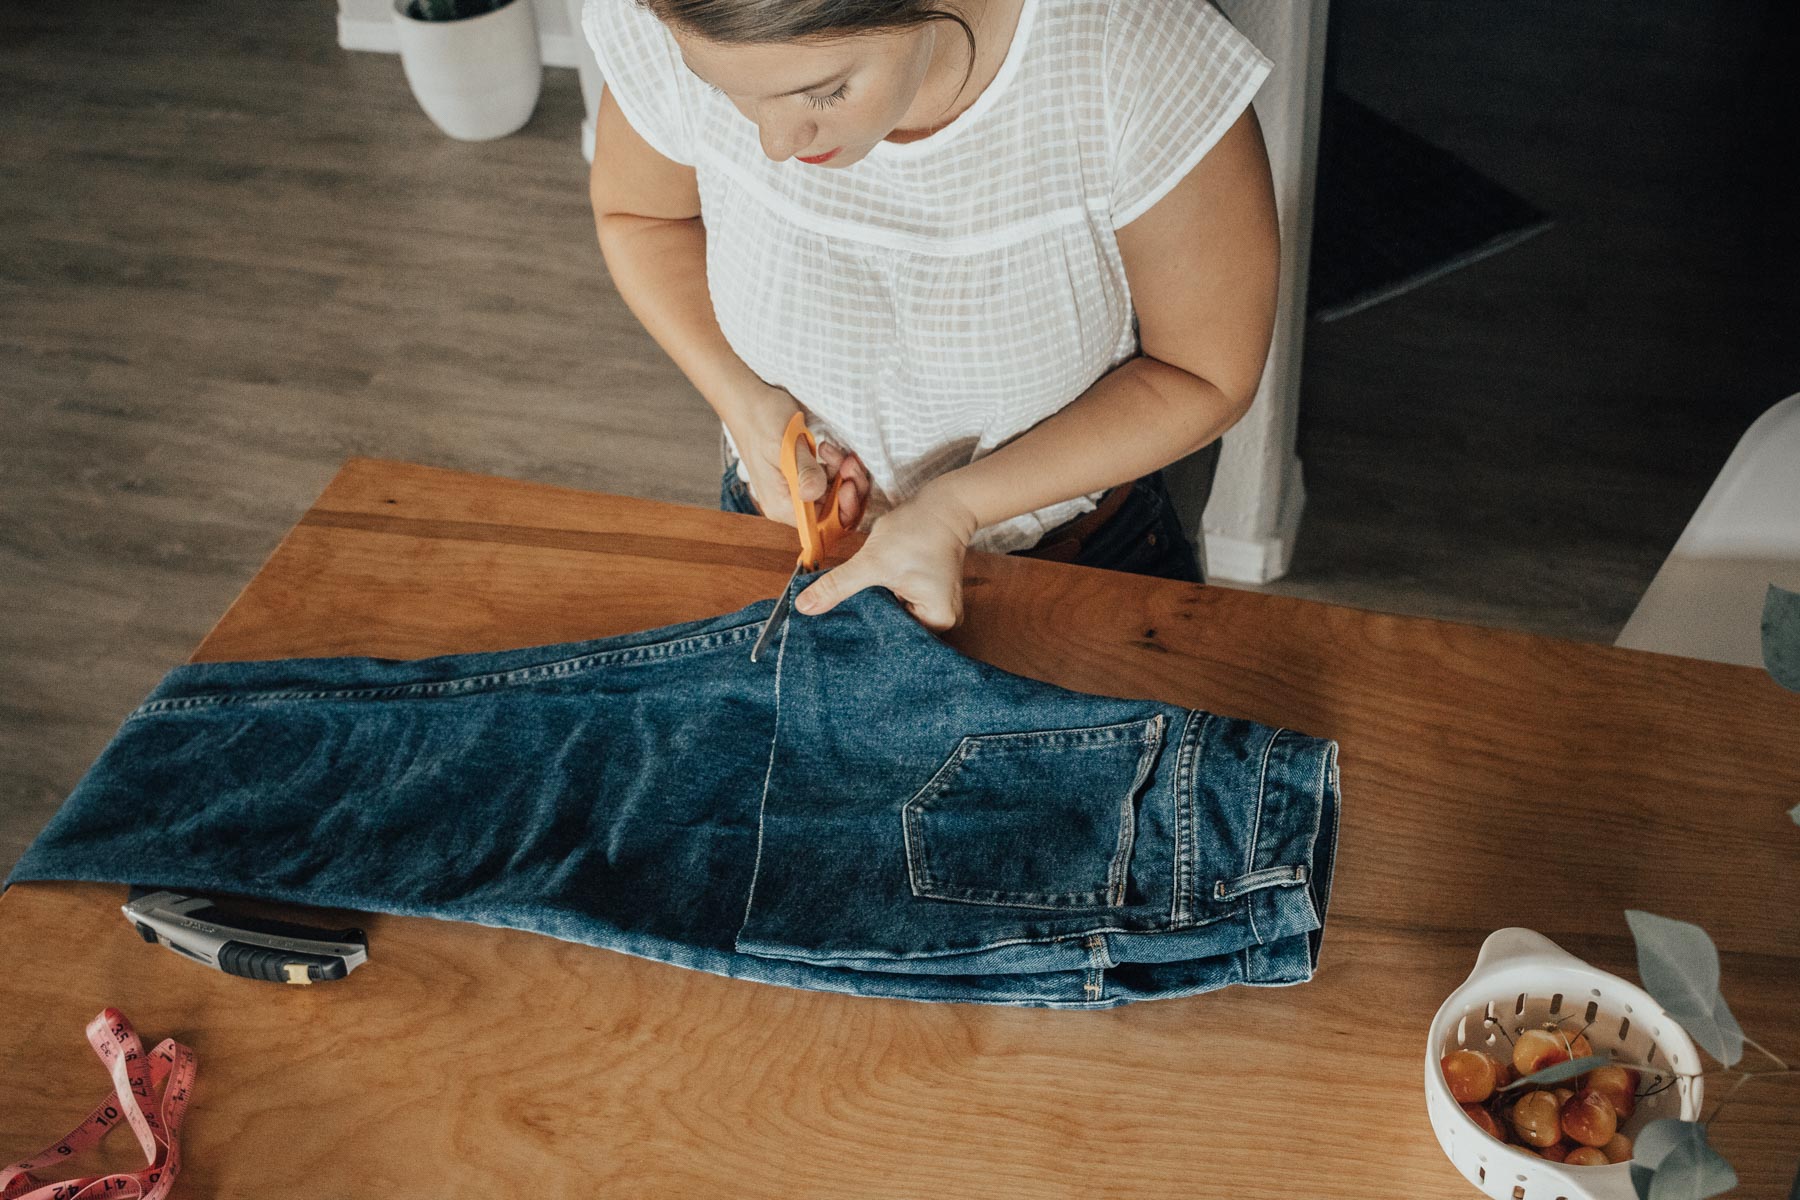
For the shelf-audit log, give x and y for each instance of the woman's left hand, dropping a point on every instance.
(915, 550)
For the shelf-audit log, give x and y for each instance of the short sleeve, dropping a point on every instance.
(643, 70)
(1177, 76)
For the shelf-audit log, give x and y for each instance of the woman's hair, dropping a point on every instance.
(745, 21)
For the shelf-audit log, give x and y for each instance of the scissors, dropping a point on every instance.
(816, 535)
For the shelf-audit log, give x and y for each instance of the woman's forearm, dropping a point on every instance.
(1139, 417)
(659, 268)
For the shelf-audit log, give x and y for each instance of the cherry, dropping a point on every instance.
(1590, 1119)
(1470, 1074)
(1535, 1120)
(1617, 1084)
(1485, 1119)
(1537, 1049)
(1579, 1044)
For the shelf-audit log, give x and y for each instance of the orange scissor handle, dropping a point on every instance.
(815, 535)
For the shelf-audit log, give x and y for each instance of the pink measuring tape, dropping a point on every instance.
(138, 1079)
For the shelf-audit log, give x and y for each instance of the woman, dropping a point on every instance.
(1011, 259)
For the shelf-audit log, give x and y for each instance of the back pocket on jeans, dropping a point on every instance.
(1040, 819)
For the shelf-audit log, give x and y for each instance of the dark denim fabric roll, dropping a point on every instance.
(865, 810)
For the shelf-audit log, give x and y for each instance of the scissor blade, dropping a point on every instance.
(776, 614)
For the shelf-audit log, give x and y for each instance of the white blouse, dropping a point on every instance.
(935, 300)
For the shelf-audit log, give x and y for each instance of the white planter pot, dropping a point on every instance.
(477, 78)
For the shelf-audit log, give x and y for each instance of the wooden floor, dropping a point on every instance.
(232, 254)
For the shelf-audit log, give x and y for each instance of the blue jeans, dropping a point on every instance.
(864, 810)
(1144, 537)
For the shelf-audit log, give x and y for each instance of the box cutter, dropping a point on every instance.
(816, 535)
(248, 946)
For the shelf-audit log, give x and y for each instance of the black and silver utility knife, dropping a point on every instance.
(252, 947)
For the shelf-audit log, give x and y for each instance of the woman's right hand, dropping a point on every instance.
(758, 431)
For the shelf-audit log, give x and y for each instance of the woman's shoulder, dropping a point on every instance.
(632, 41)
(619, 19)
(1177, 74)
(643, 71)
(1155, 41)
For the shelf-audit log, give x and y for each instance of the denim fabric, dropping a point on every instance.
(865, 810)
(1144, 537)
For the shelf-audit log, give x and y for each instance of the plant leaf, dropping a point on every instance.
(1794, 812)
(1692, 1171)
(1654, 1141)
(1561, 1071)
(1781, 636)
(1672, 1161)
(1680, 967)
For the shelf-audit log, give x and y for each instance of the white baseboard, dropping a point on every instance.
(558, 49)
(1261, 560)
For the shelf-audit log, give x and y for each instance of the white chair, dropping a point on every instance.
(1707, 599)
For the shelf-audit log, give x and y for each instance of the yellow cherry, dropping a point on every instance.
(1535, 1119)
(1470, 1074)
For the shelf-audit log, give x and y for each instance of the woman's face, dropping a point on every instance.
(813, 98)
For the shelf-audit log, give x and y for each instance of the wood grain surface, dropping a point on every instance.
(1489, 779)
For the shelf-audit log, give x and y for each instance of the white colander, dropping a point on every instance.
(1524, 979)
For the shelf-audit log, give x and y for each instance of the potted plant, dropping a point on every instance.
(473, 65)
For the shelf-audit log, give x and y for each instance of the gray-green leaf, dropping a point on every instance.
(1560, 1071)
(1671, 1161)
(1781, 636)
(1680, 967)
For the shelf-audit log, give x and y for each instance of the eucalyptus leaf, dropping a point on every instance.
(1680, 967)
(1692, 1171)
(1794, 812)
(1655, 1140)
(1672, 1161)
(1781, 636)
(1561, 1071)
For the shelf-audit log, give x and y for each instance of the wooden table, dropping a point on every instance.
(1489, 779)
